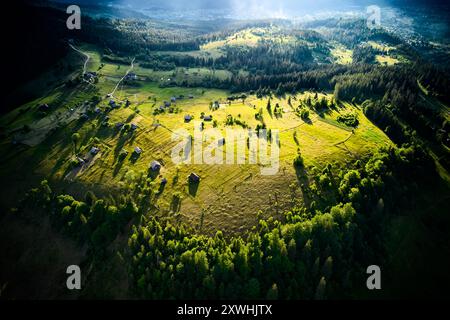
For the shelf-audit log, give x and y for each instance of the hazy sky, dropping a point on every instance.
(255, 8)
(227, 4)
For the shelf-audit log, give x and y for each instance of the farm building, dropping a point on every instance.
(90, 75)
(155, 165)
(193, 177)
(94, 150)
(44, 107)
(131, 76)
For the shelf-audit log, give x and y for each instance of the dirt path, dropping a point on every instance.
(88, 57)
(118, 83)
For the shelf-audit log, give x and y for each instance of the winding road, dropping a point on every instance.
(88, 57)
(118, 83)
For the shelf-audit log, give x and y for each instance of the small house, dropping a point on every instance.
(208, 118)
(133, 126)
(187, 118)
(163, 181)
(167, 104)
(44, 107)
(90, 75)
(131, 76)
(119, 125)
(94, 151)
(112, 103)
(137, 150)
(155, 165)
(173, 99)
(191, 96)
(194, 178)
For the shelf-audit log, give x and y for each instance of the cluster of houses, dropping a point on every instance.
(155, 166)
(188, 117)
(131, 76)
(90, 76)
(120, 125)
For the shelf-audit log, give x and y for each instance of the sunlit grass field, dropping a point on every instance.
(228, 196)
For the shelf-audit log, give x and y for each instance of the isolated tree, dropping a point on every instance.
(75, 139)
(337, 92)
(272, 293)
(269, 107)
(320, 290)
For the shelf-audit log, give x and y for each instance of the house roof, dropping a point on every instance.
(194, 176)
(155, 165)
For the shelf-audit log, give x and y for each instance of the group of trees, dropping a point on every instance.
(93, 221)
(317, 252)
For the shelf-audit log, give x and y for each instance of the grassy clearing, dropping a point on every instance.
(228, 196)
(386, 60)
(380, 46)
(342, 55)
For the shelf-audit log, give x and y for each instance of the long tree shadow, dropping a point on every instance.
(161, 188)
(118, 166)
(303, 180)
(193, 188)
(175, 204)
(120, 143)
(134, 157)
